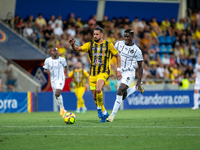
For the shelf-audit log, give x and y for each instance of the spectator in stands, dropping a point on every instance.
(111, 37)
(120, 23)
(127, 21)
(31, 21)
(58, 30)
(177, 50)
(71, 30)
(165, 60)
(52, 21)
(47, 31)
(105, 21)
(181, 61)
(142, 24)
(173, 23)
(11, 77)
(155, 26)
(166, 27)
(79, 24)
(146, 73)
(189, 71)
(184, 82)
(28, 33)
(93, 20)
(196, 35)
(14, 21)
(172, 60)
(184, 49)
(194, 21)
(152, 70)
(20, 25)
(160, 71)
(62, 50)
(135, 25)
(174, 72)
(40, 21)
(179, 27)
(59, 21)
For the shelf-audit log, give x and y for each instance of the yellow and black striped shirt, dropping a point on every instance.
(79, 77)
(100, 55)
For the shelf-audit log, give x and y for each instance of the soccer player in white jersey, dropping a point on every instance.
(55, 67)
(131, 55)
(197, 84)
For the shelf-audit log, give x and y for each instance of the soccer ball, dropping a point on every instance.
(70, 118)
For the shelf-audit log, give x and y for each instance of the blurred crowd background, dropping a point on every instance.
(169, 47)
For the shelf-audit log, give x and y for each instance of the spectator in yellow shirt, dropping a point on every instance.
(40, 21)
(179, 27)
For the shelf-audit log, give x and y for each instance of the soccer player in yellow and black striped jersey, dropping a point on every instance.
(100, 53)
(79, 78)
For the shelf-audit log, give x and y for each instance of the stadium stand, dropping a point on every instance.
(155, 38)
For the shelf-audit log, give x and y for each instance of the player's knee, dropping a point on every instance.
(98, 91)
(121, 91)
(57, 94)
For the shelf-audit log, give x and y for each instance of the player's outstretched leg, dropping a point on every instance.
(117, 104)
(131, 91)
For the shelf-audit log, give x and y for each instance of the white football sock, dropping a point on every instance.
(117, 104)
(104, 112)
(196, 99)
(130, 91)
(59, 101)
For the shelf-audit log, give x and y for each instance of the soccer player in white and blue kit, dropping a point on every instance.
(197, 84)
(131, 55)
(55, 67)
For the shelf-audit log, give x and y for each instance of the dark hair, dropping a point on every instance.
(130, 31)
(99, 28)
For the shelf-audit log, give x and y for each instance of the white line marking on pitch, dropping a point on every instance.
(68, 126)
(101, 134)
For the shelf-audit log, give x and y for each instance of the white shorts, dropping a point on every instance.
(58, 84)
(197, 86)
(127, 78)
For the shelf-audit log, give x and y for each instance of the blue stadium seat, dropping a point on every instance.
(169, 40)
(173, 38)
(162, 48)
(162, 40)
(169, 48)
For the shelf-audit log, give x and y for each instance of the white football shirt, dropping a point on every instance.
(129, 55)
(56, 68)
(197, 79)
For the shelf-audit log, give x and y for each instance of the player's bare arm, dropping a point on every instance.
(119, 75)
(140, 72)
(47, 71)
(74, 47)
(66, 71)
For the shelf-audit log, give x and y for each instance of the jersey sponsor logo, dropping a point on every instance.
(127, 79)
(132, 51)
(97, 61)
(99, 54)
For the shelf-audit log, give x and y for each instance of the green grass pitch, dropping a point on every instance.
(156, 129)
